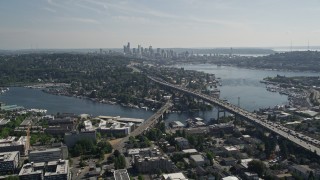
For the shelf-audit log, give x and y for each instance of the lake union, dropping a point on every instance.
(236, 82)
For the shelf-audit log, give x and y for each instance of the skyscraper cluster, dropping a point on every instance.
(149, 52)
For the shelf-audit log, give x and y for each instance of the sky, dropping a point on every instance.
(60, 24)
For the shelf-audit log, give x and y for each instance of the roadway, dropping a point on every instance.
(144, 126)
(306, 142)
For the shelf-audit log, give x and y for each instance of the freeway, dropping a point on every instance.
(306, 142)
(143, 127)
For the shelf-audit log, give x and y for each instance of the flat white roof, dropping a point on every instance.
(189, 151)
(230, 178)
(230, 148)
(8, 156)
(174, 176)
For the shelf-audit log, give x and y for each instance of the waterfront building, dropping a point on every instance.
(46, 155)
(12, 143)
(176, 124)
(88, 125)
(115, 128)
(9, 161)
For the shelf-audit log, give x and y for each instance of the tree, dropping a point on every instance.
(257, 166)
(140, 177)
(210, 157)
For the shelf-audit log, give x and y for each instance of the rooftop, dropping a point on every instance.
(8, 156)
(61, 167)
(197, 158)
(44, 150)
(189, 151)
(121, 174)
(10, 141)
(174, 176)
(29, 168)
(230, 178)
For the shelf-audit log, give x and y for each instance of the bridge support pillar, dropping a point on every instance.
(220, 110)
(237, 119)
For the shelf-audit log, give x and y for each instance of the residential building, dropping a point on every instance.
(250, 176)
(222, 127)
(301, 170)
(9, 161)
(229, 161)
(182, 143)
(152, 161)
(198, 159)
(174, 176)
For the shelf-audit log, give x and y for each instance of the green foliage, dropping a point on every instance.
(12, 178)
(210, 157)
(119, 160)
(40, 137)
(257, 166)
(88, 147)
(140, 177)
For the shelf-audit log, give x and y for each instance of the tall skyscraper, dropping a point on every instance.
(128, 48)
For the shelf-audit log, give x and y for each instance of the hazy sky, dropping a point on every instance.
(161, 23)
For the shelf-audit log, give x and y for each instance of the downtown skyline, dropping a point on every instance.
(61, 24)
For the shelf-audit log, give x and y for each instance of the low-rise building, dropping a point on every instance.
(182, 143)
(190, 151)
(229, 161)
(73, 137)
(115, 128)
(53, 170)
(57, 170)
(32, 171)
(174, 176)
(13, 143)
(121, 174)
(198, 159)
(152, 161)
(222, 127)
(176, 124)
(9, 161)
(46, 155)
(301, 170)
(58, 130)
(250, 176)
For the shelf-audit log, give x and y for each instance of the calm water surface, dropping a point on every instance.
(236, 82)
